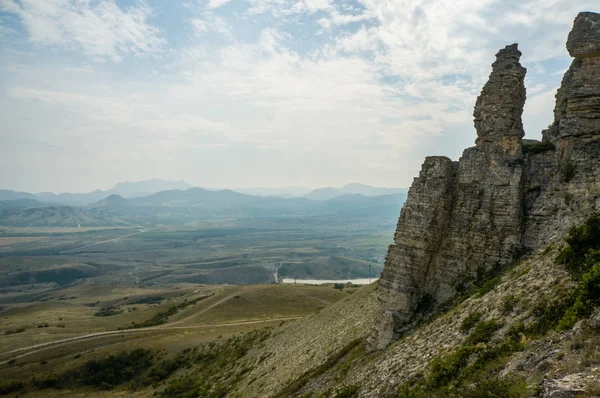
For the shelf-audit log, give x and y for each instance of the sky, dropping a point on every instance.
(248, 93)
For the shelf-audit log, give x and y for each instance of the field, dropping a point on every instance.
(64, 330)
(230, 251)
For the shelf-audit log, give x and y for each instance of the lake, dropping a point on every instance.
(359, 281)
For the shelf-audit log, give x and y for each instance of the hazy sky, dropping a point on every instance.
(241, 93)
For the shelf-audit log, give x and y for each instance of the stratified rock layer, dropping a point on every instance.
(504, 195)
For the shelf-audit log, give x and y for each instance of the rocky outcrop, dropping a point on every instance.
(505, 195)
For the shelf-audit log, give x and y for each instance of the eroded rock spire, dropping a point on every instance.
(504, 196)
(459, 215)
(499, 108)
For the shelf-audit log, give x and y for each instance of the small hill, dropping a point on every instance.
(112, 201)
(72, 198)
(16, 203)
(197, 196)
(284, 192)
(352, 189)
(133, 189)
(6, 194)
(50, 216)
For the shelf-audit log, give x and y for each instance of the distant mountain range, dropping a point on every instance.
(352, 189)
(125, 189)
(285, 192)
(183, 206)
(153, 186)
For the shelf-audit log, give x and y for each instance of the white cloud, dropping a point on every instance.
(214, 4)
(262, 95)
(207, 22)
(100, 29)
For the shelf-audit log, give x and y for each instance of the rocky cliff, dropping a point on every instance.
(503, 197)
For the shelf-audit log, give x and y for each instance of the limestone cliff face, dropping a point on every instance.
(504, 195)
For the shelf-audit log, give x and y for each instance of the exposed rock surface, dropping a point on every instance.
(569, 386)
(503, 196)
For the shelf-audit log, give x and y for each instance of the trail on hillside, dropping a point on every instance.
(58, 343)
(104, 241)
(205, 310)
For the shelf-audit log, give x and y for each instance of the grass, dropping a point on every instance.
(255, 302)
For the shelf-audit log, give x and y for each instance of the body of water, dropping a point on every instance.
(359, 281)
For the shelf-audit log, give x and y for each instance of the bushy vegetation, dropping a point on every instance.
(581, 257)
(470, 321)
(349, 391)
(537, 147)
(483, 332)
(11, 387)
(214, 367)
(105, 373)
(472, 369)
(109, 311)
(14, 331)
(210, 365)
(149, 300)
(163, 317)
(568, 170)
(333, 360)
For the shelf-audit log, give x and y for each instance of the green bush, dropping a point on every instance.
(483, 332)
(109, 311)
(11, 387)
(149, 300)
(514, 387)
(14, 331)
(104, 373)
(349, 391)
(567, 171)
(582, 259)
(470, 321)
(213, 363)
(508, 304)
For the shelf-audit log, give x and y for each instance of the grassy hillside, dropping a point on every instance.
(527, 330)
(103, 320)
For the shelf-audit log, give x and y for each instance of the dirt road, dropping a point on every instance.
(26, 351)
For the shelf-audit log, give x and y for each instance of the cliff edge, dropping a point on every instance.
(504, 197)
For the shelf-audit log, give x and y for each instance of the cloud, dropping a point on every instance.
(99, 29)
(214, 4)
(207, 23)
(274, 92)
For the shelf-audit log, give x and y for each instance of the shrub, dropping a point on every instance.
(11, 387)
(568, 171)
(582, 259)
(14, 331)
(105, 373)
(109, 311)
(508, 304)
(483, 332)
(349, 391)
(149, 300)
(470, 321)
